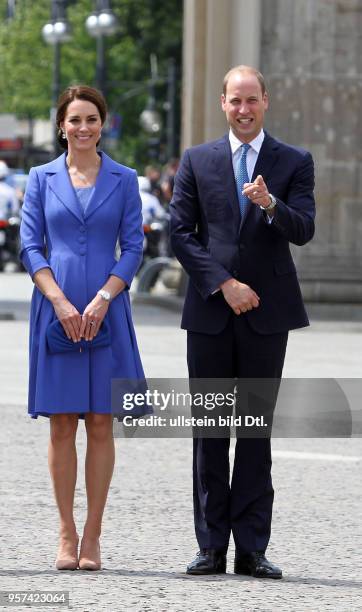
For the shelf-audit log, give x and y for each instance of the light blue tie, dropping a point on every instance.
(241, 178)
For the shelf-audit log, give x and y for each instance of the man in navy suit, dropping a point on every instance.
(238, 203)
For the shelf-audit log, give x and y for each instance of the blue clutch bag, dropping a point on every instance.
(58, 342)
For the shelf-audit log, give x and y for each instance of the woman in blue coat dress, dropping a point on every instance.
(76, 208)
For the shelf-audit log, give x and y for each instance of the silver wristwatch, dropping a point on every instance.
(104, 294)
(272, 204)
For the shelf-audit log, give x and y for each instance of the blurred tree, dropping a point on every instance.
(145, 27)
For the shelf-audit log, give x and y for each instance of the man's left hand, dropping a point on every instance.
(257, 192)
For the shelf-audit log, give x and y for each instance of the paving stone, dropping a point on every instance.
(148, 535)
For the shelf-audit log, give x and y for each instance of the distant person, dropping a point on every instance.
(168, 179)
(155, 222)
(9, 202)
(151, 207)
(76, 208)
(153, 173)
(9, 206)
(238, 204)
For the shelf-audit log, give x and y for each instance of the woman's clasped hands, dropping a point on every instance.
(92, 317)
(77, 326)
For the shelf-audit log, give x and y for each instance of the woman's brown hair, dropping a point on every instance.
(78, 92)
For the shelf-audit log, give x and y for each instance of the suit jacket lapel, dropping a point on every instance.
(109, 176)
(60, 184)
(224, 168)
(267, 157)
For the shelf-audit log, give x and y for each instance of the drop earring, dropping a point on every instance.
(64, 136)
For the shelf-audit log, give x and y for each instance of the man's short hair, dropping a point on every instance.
(243, 69)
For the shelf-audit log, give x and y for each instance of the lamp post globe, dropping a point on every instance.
(62, 31)
(58, 32)
(107, 22)
(48, 34)
(102, 24)
(150, 121)
(92, 25)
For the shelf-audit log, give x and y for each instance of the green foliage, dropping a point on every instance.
(25, 62)
(145, 27)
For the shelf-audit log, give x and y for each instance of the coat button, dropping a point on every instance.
(81, 239)
(241, 247)
(82, 251)
(82, 229)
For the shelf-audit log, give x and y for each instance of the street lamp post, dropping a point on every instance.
(55, 33)
(150, 118)
(99, 24)
(10, 11)
(171, 110)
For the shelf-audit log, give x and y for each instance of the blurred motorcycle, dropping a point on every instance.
(9, 221)
(155, 243)
(10, 241)
(155, 222)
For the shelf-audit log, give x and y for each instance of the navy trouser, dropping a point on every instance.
(243, 506)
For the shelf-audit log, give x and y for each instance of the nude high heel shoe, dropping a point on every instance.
(67, 557)
(88, 561)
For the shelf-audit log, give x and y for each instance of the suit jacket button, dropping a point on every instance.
(241, 247)
(82, 229)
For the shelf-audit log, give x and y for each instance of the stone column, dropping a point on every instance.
(193, 76)
(310, 52)
(218, 34)
(311, 56)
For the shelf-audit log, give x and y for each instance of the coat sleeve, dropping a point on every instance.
(294, 219)
(205, 273)
(130, 233)
(32, 229)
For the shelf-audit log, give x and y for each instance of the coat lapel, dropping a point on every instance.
(224, 168)
(109, 176)
(59, 181)
(60, 184)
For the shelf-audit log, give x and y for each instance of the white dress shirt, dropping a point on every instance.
(251, 156)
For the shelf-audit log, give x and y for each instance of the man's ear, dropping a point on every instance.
(223, 100)
(266, 101)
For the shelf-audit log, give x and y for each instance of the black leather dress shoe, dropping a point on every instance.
(207, 561)
(255, 564)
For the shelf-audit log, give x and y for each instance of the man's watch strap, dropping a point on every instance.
(272, 204)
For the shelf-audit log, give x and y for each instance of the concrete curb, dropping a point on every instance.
(170, 302)
(11, 310)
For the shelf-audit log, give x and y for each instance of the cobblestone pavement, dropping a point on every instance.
(148, 528)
